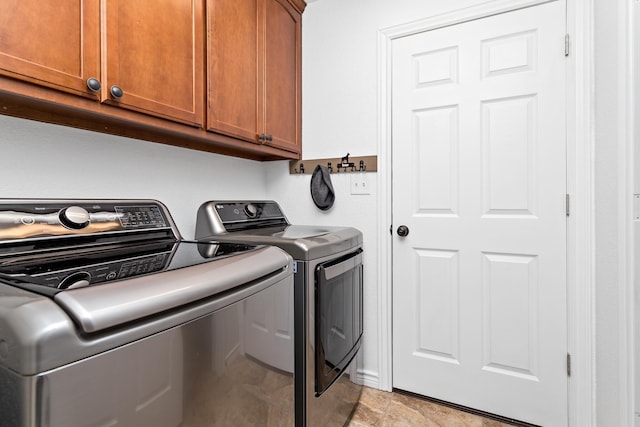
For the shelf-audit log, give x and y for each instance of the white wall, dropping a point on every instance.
(339, 69)
(41, 160)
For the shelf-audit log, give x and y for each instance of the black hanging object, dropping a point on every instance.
(321, 188)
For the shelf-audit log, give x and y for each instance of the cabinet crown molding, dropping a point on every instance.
(300, 5)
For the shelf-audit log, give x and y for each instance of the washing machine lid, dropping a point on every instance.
(263, 223)
(43, 332)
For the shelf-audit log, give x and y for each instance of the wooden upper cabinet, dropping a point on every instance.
(151, 49)
(232, 67)
(282, 70)
(154, 57)
(51, 42)
(158, 69)
(253, 73)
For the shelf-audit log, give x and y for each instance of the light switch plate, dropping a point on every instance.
(359, 184)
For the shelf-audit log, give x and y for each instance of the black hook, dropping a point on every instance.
(345, 163)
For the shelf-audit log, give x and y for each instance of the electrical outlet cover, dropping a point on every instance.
(359, 184)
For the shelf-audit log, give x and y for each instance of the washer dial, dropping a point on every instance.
(74, 217)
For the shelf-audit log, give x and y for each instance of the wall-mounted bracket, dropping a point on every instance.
(335, 165)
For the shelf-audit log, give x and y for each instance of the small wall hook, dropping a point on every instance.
(345, 163)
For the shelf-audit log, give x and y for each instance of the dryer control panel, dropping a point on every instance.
(242, 215)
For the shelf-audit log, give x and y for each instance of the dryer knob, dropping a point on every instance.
(251, 210)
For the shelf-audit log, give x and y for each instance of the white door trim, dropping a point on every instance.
(580, 174)
(627, 92)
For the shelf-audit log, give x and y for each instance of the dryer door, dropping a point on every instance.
(338, 322)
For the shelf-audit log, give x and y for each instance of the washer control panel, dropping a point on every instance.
(28, 219)
(92, 274)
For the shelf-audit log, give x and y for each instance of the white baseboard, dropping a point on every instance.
(368, 378)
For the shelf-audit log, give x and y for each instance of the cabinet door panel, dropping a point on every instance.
(155, 55)
(233, 77)
(282, 76)
(54, 43)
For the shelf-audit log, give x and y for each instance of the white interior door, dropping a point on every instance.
(479, 179)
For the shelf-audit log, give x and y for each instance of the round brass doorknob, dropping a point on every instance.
(403, 231)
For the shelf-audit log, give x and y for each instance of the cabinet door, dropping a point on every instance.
(282, 85)
(54, 43)
(232, 70)
(154, 53)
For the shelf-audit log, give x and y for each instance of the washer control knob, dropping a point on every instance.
(74, 217)
(251, 210)
(75, 280)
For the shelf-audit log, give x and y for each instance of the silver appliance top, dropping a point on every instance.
(264, 223)
(78, 277)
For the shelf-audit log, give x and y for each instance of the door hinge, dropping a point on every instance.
(566, 45)
(568, 365)
(567, 205)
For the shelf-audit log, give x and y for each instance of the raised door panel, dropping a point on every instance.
(52, 43)
(232, 68)
(154, 53)
(282, 75)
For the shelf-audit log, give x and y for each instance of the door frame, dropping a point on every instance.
(580, 185)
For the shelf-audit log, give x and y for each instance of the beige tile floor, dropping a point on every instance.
(383, 409)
